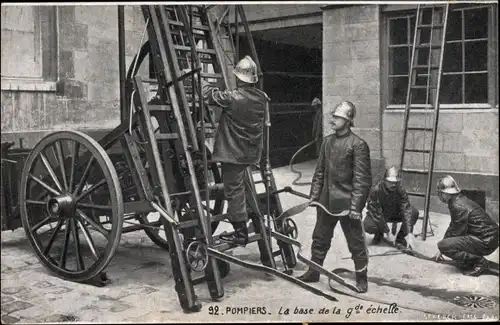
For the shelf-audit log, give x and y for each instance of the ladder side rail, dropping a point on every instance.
(181, 128)
(429, 59)
(212, 271)
(248, 33)
(436, 122)
(153, 145)
(197, 88)
(409, 91)
(184, 286)
(217, 47)
(193, 62)
(173, 67)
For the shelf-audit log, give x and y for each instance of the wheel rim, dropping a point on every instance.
(71, 234)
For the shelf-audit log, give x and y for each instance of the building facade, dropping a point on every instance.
(60, 70)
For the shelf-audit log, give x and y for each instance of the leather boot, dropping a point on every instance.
(362, 280)
(377, 238)
(239, 236)
(478, 268)
(311, 275)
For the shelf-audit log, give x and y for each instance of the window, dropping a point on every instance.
(469, 65)
(29, 43)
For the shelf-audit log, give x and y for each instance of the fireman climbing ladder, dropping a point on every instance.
(425, 75)
(188, 38)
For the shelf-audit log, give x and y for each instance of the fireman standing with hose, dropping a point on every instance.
(341, 181)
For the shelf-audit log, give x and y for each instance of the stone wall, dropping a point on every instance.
(87, 91)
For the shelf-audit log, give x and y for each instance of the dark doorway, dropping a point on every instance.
(291, 62)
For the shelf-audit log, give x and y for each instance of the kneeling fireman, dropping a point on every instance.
(472, 233)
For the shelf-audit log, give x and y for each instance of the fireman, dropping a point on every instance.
(239, 140)
(388, 202)
(472, 233)
(341, 182)
(317, 131)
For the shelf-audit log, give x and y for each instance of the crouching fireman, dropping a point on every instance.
(472, 233)
(341, 182)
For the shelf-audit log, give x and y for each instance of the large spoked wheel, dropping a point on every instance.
(72, 235)
(157, 234)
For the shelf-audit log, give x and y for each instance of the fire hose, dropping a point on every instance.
(330, 274)
(296, 181)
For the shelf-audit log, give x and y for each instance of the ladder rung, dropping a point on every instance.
(415, 194)
(202, 60)
(179, 23)
(422, 87)
(417, 150)
(427, 45)
(167, 136)
(212, 75)
(188, 48)
(420, 129)
(416, 171)
(433, 67)
(175, 22)
(157, 108)
(437, 26)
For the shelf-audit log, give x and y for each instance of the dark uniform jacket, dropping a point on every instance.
(385, 206)
(239, 138)
(469, 219)
(342, 178)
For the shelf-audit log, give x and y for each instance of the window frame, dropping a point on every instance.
(46, 24)
(393, 11)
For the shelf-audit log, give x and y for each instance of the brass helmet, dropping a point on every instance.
(345, 110)
(448, 185)
(246, 70)
(392, 174)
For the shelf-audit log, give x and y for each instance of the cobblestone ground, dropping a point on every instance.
(142, 285)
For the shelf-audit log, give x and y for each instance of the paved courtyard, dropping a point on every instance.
(142, 285)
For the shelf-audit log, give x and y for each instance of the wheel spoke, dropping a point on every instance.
(35, 202)
(94, 224)
(53, 237)
(80, 265)
(40, 224)
(84, 176)
(94, 206)
(91, 189)
(60, 157)
(88, 238)
(50, 170)
(62, 257)
(47, 187)
(74, 161)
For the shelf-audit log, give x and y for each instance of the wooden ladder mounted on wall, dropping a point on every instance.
(425, 74)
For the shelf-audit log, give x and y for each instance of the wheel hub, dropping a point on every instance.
(62, 206)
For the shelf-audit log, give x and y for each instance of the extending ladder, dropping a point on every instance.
(188, 37)
(425, 74)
